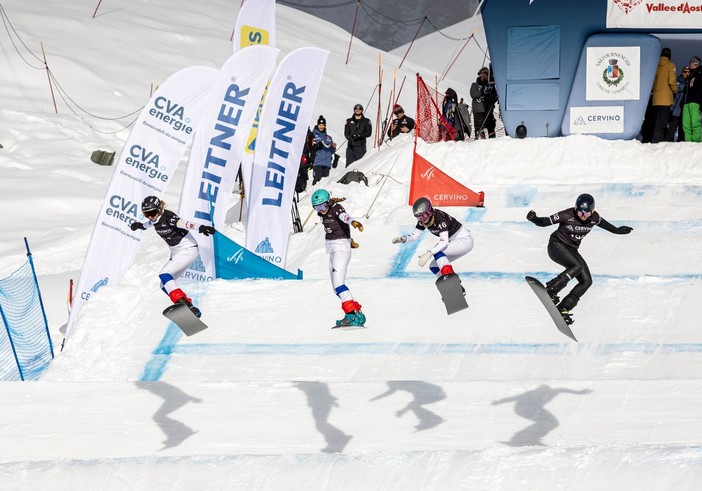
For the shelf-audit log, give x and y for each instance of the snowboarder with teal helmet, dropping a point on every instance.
(337, 227)
(573, 225)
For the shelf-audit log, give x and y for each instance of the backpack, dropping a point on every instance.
(353, 176)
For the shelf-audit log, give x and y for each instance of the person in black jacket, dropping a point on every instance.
(401, 123)
(184, 250)
(484, 99)
(573, 225)
(356, 130)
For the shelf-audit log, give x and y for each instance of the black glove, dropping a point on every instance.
(623, 230)
(531, 216)
(206, 230)
(137, 226)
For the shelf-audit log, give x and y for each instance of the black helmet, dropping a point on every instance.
(422, 209)
(150, 204)
(585, 202)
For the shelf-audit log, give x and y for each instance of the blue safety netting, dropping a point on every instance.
(25, 345)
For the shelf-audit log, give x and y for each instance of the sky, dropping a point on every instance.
(269, 397)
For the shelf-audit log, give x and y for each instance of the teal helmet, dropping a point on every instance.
(319, 197)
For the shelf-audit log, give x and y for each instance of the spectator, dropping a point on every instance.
(449, 110)
(664, 89)
(306, 160)
(325, 150)
(674, 125)
(484, 99)
(692, 101)
(356, 130)
(401, 123)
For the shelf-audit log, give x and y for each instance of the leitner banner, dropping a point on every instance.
(657, 14)
(281, 135)
(148, 160)
(255, 24)
(218, 147)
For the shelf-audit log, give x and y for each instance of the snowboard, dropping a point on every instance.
(449, 286)
(542, 294)
(183, 317)
(348, 328)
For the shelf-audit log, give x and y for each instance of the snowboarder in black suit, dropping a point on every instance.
(573, 225)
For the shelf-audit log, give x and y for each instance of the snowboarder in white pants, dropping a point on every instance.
(176, 233)
(455, 240)
(337, 227)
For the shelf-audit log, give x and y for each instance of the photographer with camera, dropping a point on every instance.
(484, 99)
(356, 130)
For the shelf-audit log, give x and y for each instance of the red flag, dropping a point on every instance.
(439, 187)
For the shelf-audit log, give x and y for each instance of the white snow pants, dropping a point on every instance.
(182, 256)
(459, 245)
(339, 251)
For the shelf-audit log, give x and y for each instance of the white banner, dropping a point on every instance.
(597, 119)
(218, 147)
(281, 135)
(149, 158)
(255, 24)
(613, 73)
(661, 14)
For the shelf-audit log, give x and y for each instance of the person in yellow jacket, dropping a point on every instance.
(665, 86)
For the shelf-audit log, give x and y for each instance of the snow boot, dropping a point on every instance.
(178, 296)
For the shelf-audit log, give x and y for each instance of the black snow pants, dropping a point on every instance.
(576, 267)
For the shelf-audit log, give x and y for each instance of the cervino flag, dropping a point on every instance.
(146, 165)
(281, 135)
(218, 147)
(255, 24)
(439, 187)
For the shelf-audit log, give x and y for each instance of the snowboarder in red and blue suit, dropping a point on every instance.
(176, 233)
(573, 225)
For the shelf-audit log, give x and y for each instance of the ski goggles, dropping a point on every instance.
(322, 207)
(151, 213)
(424, 216)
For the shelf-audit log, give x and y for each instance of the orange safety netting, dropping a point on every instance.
(430, 125)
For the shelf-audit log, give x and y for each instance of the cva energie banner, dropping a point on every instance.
(282, 129)
(146, 164)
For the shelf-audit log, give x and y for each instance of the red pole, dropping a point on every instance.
(353, 30)
(49, 77)
(415, 37)
(459, 54)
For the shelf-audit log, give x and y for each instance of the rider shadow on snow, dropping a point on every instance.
(320, 399)
(423, 393)
(173, 399)
(530, 405)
